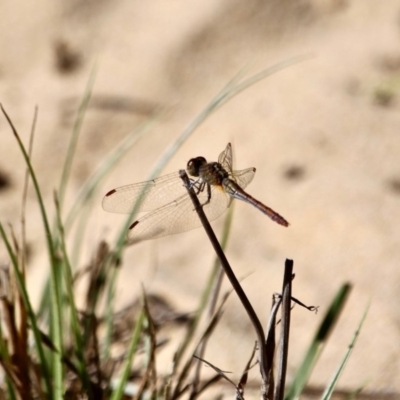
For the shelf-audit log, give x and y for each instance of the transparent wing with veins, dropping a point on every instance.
(178, 215)
(225, 158)
(170, 208)
(152, 194)
(242, 177)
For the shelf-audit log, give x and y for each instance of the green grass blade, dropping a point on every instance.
(57, 329)
(67, 171)
(331, 386)
(112, 261)
(217, 272)
(84, 201)
(112, 283)
(55, 294)
(74, 319)
(88, 189)
(318, 343)
(126, 370)
(45, 370)
(232, 89)
(75, 136)
(10, 391)
(262, 75)
(49, 241)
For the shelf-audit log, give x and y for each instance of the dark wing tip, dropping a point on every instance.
(110, 193)
(133, 225)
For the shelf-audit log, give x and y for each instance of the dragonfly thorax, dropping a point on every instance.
(212, 173)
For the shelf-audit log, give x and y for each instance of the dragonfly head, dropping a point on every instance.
(194, 165)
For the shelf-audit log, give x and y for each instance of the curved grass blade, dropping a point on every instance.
(228, 92)
(111, 289)
(89, 187)
(45, 299)
(74, 319)
(318, 343)
(133, 345)
(25, 193)
(75, 136)
(263, 74)
(331, 386)
(85, 197)
(55, 294)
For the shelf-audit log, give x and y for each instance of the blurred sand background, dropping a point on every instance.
(323, 134)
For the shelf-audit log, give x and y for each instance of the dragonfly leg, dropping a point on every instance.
(196, 185)
(199, 186)
(208, 194)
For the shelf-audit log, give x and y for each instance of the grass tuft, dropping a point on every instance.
(93, 351)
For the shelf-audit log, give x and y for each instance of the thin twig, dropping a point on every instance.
(217, 276)
(310, 308)
(270, 344)
(245, 375)
(264, 364)
(285, 327)
(212, 323)
(223, 374)
(297, 301)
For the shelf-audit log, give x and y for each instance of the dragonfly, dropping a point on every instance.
(167, 202)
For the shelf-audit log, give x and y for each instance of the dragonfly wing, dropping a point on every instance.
(153, 194)
(243, 177)
(178, 216)
(225, 158)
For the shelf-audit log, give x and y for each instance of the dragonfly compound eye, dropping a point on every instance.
(194, 165)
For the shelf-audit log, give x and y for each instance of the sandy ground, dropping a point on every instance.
(323, 135)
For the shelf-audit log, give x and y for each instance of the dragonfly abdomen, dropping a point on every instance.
(234, 190)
